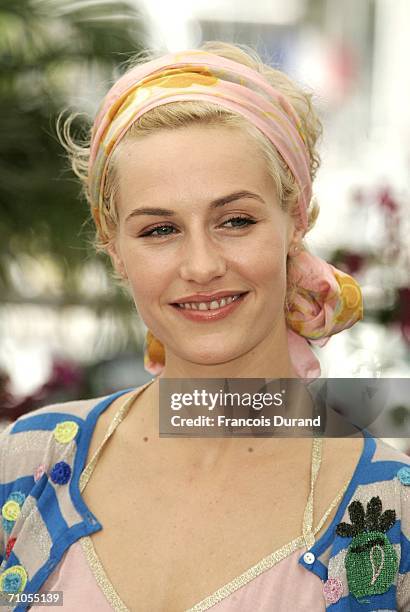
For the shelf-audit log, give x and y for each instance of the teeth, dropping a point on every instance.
(209, 305)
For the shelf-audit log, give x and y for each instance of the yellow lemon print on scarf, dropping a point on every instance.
(297, 326)
(351, 297)
(155, 348)
(182, 78)
(136, 98)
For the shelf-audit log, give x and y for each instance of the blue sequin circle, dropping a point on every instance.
(17, 496)
(7, 525)
(61, 472)
(12, 583)
(404, 475)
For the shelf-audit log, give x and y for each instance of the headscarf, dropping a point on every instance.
(327, 300)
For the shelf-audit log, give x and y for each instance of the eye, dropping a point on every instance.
(245, 222)
(239, 218)
(155, 229)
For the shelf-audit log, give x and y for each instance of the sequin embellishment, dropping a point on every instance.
(39, 471)
(333, 590)
(61, 472)
(371, 561)
(404, 475)
(13, 579)
(17, 496)
(9, 546)
(65, 431)
(11, 510)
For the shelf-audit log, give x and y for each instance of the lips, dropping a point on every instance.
(208, 297)
(210, 315)
(209, 305)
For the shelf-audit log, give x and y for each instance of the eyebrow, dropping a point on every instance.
(165, 212)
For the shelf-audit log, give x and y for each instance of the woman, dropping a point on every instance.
(199, 176)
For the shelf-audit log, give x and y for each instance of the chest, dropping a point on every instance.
(171, 539)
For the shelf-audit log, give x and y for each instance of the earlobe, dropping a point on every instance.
(295, 242)
(294, 250)
(298, 236)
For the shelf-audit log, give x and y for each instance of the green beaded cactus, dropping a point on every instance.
(371, 561)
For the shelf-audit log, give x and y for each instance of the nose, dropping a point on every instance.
(201, 260)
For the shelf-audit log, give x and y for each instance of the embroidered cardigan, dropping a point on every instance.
(363, 558)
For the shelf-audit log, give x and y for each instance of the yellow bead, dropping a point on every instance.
(65, 431)
(14, 569)
(11, 510)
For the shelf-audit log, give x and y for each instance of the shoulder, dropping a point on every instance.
(42, 457)
(40, 418)
(43, 419)
(44, 435)
(388, 472)
(40, 451)
(376, 504)
(383, 471)
(385, 451)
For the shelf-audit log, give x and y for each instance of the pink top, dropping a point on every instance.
(75, 578)
(274, 589)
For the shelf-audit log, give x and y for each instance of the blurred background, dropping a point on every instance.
(66, 330)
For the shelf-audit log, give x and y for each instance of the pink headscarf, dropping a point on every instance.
(327, 300)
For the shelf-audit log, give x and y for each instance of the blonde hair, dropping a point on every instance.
(175, 115)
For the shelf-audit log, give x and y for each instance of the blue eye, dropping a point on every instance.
(246, 219)
(150, 233)
(156, 229)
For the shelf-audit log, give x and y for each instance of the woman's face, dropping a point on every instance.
(180, 193)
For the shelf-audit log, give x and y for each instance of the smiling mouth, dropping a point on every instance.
(210, 312)
(209, 306)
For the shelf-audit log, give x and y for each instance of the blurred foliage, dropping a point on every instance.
(42, 44)
(400, 415)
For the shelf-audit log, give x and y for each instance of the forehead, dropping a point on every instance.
(189, 161)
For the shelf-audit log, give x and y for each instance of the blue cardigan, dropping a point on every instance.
(364, 553)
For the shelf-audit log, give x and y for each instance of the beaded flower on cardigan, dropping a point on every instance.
(371, 561)
(61, 472)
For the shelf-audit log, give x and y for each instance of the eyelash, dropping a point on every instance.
(149, 233)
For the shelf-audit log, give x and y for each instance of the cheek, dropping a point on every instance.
(265, 263)
(146, 283)
(149, 276)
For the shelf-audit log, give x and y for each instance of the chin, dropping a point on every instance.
(212, 357)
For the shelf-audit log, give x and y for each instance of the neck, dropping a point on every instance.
(214, 458)
(268, 360)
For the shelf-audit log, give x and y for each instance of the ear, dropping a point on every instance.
(116, 259)
(294, 236)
